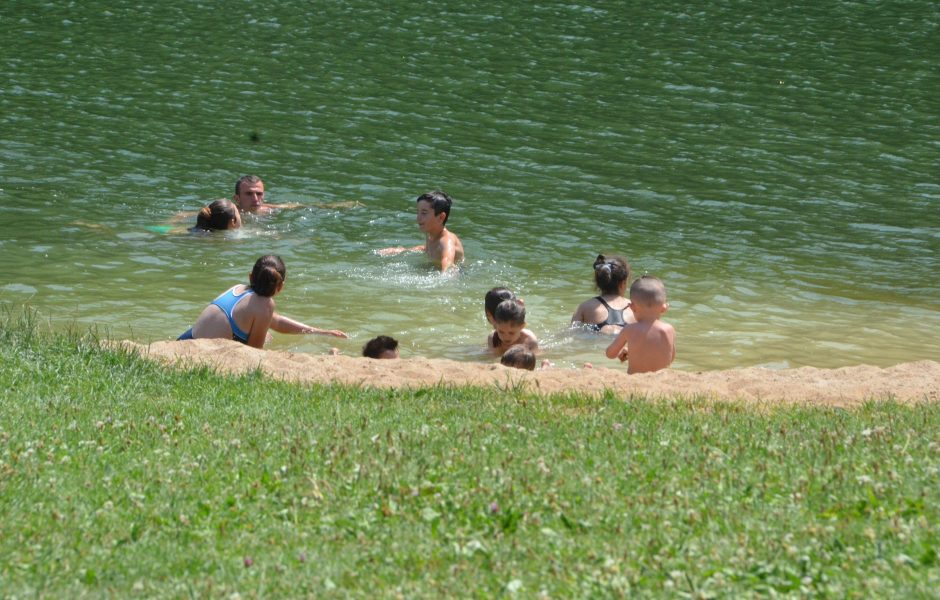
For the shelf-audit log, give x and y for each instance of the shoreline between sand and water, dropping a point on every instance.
(847, 386)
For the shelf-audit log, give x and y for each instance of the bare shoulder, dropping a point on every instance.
(531, 342)
(588, 306)
(670, 331)
(261, 304)
(665, 327)
(451, 238)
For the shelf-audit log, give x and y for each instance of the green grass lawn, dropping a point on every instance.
(121, 478)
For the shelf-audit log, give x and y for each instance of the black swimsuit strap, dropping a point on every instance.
(614, 315)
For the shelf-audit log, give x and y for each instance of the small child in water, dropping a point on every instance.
(382, 346)
(509, 324)
(520, 357)
(649, 344)
(492, 299)
(244, 313)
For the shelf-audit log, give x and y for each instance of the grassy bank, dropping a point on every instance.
(121, 478)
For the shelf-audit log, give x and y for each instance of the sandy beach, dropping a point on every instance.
(847, 386)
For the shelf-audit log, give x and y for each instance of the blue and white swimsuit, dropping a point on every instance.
(227, 303)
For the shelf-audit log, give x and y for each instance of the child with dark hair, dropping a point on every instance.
(492, 299)
(244, 313)
(608, 312)
(510, 328)
(220, 214)
(381, 346)
(520, 357)
(442, 247)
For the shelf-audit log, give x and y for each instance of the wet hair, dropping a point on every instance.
(267, 275)
(375, 347)
(494, 297)
(610, 272)
(249, 179)
(216, 215)
(648, 290)
(520, 357)
(439, 201)
(510, 311)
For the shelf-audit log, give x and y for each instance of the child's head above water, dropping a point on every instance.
(382, 346)
(438, 201)
(519, 357)
(220, 214)
(648, 295)
(610, 272)
(492, 300)
(268, 275)
(509, 321)
(510, 311)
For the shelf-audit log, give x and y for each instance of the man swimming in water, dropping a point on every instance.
(249, 196)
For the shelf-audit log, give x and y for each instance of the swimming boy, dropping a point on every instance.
(649, 344)
(441, 246)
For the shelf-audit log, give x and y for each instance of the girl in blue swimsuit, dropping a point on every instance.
(610, 311)
(244, 313)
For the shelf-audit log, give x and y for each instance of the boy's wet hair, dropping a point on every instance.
(216, 215)
(439, 201)
(520, 357)
(267, 275)
(375, 347)
(510, 311)
(610, 272)
(648, 290)
(249, 179)
(494, 297)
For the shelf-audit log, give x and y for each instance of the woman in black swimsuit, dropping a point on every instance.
(607, 313)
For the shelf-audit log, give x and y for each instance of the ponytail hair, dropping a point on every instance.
(493, 297)
(610, 273)
(510, 311)
(267, 275)
(216, 215)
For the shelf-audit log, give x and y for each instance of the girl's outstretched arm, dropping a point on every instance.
(282, 324)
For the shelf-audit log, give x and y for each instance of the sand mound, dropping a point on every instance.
(910, 382)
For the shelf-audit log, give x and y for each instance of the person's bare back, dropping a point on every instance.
(650, 346)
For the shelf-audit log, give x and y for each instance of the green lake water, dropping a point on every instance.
(776, 164)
